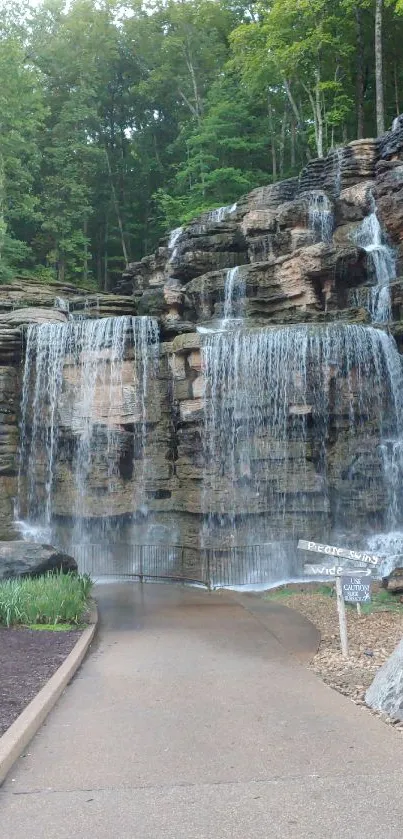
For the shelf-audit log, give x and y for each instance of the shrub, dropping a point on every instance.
(50, 599)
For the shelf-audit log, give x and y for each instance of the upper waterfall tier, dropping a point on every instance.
(311, 248)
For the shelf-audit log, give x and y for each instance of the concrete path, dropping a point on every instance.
(190, 721)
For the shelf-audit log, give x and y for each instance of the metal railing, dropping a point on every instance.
(210, 567)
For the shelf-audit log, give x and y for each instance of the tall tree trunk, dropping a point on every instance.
(272, 140)
(117, 210)
(106, 232)
(396, 86)
(380, 108)
(99, 264)
(61, 267)
(198, 102)
(282, 142)
(315, 102)
(292, 149)
(85, 261)
(297, 114)
(319, 114)
(360, 74)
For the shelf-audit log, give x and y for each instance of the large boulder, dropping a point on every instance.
(30, 559)
(385, 694)
(394, 581)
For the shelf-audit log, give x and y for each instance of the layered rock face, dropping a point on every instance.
(25, 303)
(295, 254)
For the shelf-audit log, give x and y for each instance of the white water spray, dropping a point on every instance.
(75, 381)
(383, 263)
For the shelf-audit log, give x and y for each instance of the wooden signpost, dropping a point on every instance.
(353, 585)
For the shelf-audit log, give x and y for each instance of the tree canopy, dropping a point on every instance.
(120, 120)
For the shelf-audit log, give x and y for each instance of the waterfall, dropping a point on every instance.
(383, 265)
(234, 293)
(320, 216)
(61, 304)
(221, 213)
(275, 399)
(172, 243)
(339, 155)
(84, 383)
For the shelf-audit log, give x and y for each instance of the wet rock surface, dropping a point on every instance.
(288, 270)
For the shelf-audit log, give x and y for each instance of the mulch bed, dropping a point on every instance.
(28, 658)
(372, 638)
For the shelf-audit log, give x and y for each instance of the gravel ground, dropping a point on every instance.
(28, 658)
(371, 637)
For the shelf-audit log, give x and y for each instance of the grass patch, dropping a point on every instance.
(381, 601)
(51, 600)
(289, 591)
(54, 627)
(279, 594)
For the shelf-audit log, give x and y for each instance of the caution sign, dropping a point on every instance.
(356, 589)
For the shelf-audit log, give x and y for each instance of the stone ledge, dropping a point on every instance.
(21, 732)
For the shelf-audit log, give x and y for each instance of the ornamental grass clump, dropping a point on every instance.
(50, 599)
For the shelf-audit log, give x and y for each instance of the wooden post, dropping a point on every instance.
(359, 609)
(342, 617)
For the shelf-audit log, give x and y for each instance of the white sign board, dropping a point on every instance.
(345, 553)
(334, 570)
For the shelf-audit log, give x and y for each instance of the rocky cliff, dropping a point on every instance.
(297, 255)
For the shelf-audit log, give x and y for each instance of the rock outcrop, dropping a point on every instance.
(386, 692)
(29, 559)
(394, 581)
(293, 253)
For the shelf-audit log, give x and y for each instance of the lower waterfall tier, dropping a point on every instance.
(228, 440)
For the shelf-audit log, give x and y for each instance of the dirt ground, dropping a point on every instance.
(28, 658)
(372, 636)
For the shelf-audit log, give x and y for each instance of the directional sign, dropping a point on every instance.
(334, 571)
(356, 589)
(330, 550)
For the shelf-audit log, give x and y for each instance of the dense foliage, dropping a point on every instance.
(119, 120)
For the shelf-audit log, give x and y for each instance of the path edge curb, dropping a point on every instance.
(22, 730)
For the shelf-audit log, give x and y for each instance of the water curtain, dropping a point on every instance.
(84, 381)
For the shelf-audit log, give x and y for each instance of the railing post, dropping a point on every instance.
(208, 569)
(141, 565)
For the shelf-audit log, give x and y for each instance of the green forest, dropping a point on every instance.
(122, 120)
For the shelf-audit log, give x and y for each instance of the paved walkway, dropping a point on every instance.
(190, 721)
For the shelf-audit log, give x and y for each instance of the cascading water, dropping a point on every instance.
(84, 381)
(383, 264)
(320, 216)
(234, 294)
(173, 243)
(276, 398)
(339, 156)
(62, 304)
(221, 213)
